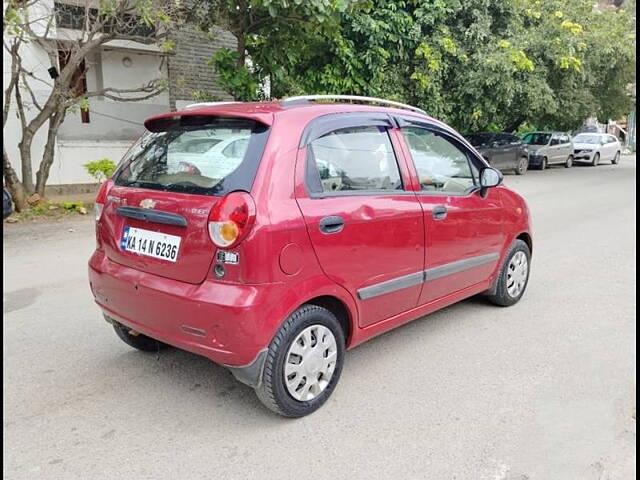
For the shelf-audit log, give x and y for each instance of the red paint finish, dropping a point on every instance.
(285, 260)
(473, 227)
(196, 249)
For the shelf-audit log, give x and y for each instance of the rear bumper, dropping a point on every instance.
(223, 322)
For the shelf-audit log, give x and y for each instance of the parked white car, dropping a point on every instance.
(213, 157)
(596, 147)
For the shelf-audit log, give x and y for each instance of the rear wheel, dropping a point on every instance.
(303, 363)
(569, 162)
(137, 340)
(523, 164)
(596, 160)
(514, 275)
(616, 159)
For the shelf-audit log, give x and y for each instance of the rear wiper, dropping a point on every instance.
(139, 184)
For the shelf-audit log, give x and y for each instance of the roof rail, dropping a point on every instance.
(307, 98)
(206, 104)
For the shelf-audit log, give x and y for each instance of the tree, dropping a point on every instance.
(474, 63)
(29, 23)
(268, 32)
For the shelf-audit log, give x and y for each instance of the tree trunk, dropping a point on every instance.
(42, 175)
(242, 45)
(25, 158)
(13, 184)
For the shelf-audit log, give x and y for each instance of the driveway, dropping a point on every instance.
(541, 390)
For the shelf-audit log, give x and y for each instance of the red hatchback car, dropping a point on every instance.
(271, 237)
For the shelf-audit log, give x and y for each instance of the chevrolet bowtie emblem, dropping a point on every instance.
(147, 203)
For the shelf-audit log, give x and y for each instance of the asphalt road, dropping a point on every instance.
(541, 390)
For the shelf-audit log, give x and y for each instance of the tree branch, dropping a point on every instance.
(152, 89)
(31, 94)
(13, 81)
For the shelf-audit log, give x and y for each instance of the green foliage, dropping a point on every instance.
(72, 206)
(100, 169)
(473, 63)
(239, 81)
(201, 96)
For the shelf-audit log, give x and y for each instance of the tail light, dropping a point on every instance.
(101, 198)
(231, 219)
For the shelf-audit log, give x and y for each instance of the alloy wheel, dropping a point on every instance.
(569, 161)
(522, 166)
(517, 274)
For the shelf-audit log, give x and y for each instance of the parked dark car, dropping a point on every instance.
(503, 151)
(7, 208)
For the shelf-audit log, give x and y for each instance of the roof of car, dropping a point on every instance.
(265, 112)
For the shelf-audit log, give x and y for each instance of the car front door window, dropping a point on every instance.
(441, 166)
(353, 160)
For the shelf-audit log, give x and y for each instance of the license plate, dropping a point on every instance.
(151, 244)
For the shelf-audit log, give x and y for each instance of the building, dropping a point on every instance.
(109, 127)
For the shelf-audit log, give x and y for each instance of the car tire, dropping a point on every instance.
(137, 341)
(596, 160)
(297, 335)
(512, 280)
(569, 162)
(616, 159)
(523, 165)
(544, 164)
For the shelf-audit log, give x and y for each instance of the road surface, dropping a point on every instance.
(541, 390)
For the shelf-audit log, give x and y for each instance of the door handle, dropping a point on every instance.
(439, 212)
(331, 224)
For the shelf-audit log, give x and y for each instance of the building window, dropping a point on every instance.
(72, 17)
(78, 80)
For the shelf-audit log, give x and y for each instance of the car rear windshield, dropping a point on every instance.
(537, 138)
(201, 155)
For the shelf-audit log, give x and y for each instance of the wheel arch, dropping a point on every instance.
(526, 238)
(336, 306)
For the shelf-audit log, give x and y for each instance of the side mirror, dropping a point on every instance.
(489, 178)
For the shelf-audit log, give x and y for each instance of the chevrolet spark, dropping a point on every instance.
(319, 225)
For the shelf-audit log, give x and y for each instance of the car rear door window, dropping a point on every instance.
(349, 160)
(441, 165)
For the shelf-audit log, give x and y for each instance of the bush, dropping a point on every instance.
(100, 169)
(72, 206)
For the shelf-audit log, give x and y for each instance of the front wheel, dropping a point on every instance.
(514, 275)
(523, 164)
(616, 159)
(303, 363)
(596, 160)
(569, 162)
(543, 165)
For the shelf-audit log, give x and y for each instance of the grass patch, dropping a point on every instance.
(51, 210)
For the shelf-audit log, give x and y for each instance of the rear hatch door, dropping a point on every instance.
(155, 217)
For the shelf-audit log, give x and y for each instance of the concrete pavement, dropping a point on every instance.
(541, 390)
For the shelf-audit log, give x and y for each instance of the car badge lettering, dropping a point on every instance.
(147, 203)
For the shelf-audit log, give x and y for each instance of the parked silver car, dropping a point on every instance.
(595, 147)
(549, 148)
